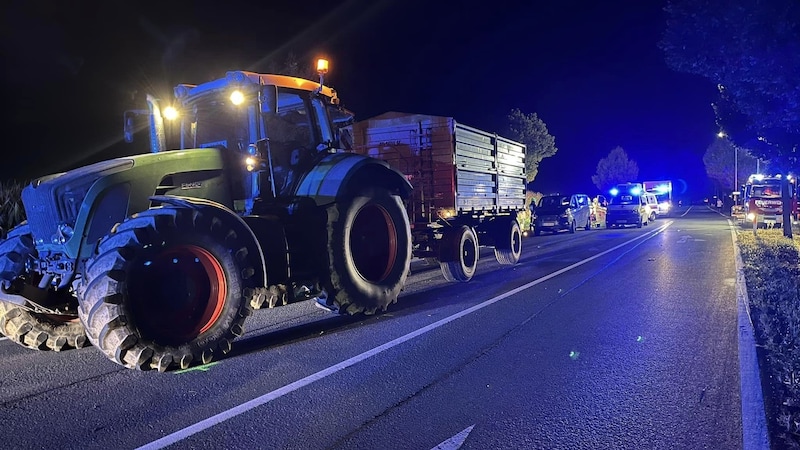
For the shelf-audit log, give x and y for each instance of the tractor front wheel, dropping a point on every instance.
(169, 287)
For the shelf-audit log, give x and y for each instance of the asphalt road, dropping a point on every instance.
(622, 338)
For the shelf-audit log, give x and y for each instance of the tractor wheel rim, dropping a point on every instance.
(373, 238)
(179, 294)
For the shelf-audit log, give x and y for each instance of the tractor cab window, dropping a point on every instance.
(292, 138)
(341, 119)
(217, 123)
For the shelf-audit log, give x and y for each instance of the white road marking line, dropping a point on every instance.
(291, 387)
(455, 442)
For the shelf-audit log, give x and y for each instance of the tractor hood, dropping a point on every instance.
(52, 202)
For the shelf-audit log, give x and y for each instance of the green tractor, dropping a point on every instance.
(158, 259)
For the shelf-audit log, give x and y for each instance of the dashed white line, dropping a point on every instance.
(291, 387)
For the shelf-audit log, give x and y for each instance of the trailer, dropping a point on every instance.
(468, 186)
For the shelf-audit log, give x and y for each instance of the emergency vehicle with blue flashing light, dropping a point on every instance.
(627, 206)
(662, 189)
(762, 200)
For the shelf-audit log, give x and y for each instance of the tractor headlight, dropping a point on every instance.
(237, 97)
(170, 113)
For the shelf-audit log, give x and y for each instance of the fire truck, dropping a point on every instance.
(762, 200)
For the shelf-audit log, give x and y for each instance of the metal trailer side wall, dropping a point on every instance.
(451, 166)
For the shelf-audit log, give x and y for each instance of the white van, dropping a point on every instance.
(652, 206)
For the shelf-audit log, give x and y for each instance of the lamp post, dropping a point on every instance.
(722, 135)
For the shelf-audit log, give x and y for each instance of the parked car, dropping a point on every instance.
(555, 213)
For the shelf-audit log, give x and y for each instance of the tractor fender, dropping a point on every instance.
(339, 175)
(229, 218)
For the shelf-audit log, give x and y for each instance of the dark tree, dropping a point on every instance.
(614, 169)
(722, 158)
(531, 131)
(751, 50)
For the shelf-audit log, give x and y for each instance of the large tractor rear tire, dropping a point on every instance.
(368, 252)
(168, 287)
(459, 253)
(508, 242)
(30, 329)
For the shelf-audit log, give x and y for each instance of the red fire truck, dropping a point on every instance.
(761, 199)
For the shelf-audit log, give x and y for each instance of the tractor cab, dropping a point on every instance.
(272, 127)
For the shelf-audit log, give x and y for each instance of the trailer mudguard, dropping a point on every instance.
(343, 174)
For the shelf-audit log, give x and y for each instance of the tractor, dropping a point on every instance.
(245, 201)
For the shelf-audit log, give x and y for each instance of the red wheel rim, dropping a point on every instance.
(178, 294)
(373, 243)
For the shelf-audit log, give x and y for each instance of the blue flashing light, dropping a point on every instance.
(614, 191)
(636, 191)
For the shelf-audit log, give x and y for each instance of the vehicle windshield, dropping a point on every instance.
(217, 123)
(766, 190)
(551, 202)
(623, 199)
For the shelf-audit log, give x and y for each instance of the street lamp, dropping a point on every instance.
(723, 135)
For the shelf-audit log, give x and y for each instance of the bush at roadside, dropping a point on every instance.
(772, 272)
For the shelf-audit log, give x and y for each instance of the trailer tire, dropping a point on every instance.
(368, 251)
(459, 253)
(132, 316)
(37, 331)
(508, 242)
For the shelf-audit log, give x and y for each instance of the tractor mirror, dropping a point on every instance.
(128, 126)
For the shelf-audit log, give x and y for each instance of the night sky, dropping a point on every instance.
(591, 70)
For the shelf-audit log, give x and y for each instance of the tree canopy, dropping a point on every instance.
(722, 158)
(614, 169)
(531, 131)
(751, 50)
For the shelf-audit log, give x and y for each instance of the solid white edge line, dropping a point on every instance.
(754, 421)
(291, 387)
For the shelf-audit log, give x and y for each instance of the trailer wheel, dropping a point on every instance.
(37, 331)
(508, 242)
(167, 288)
(459, 254)
(368, 251)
